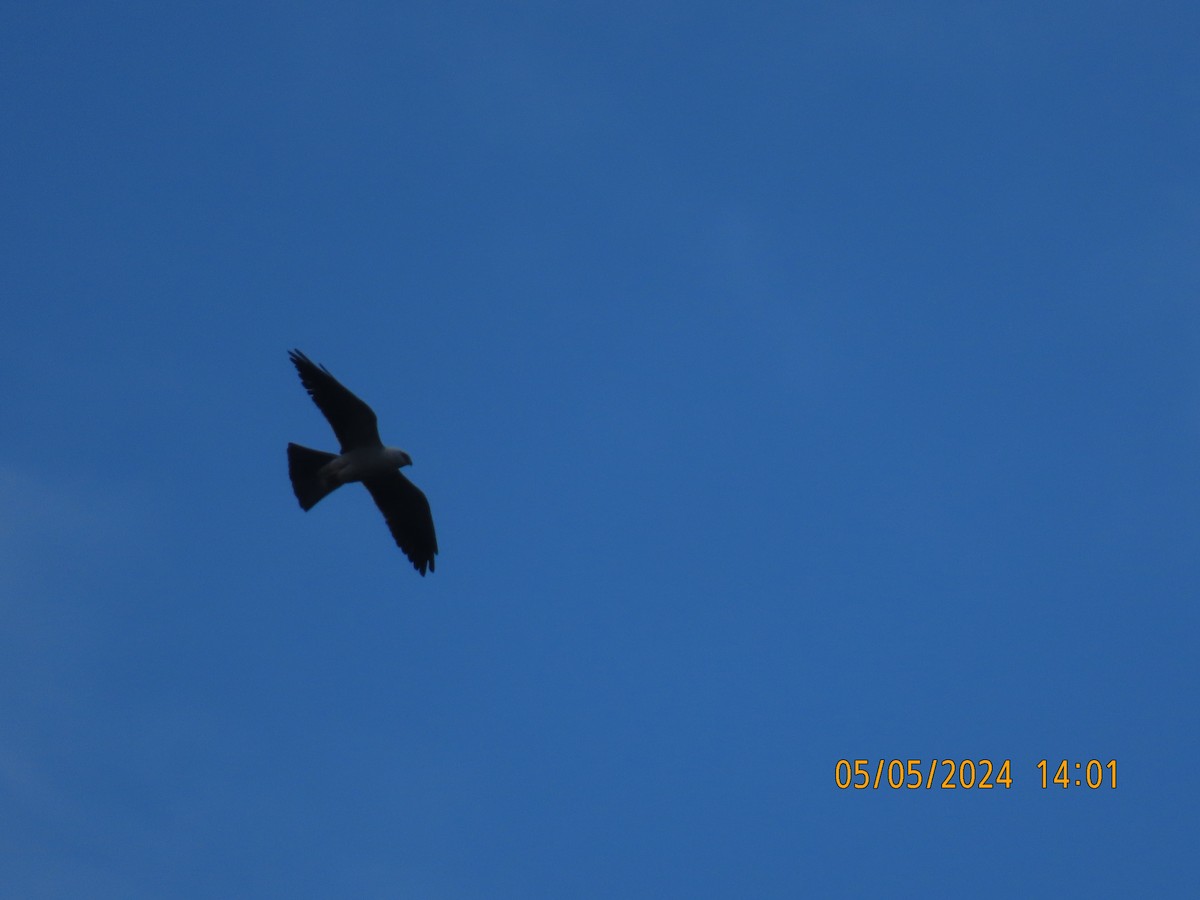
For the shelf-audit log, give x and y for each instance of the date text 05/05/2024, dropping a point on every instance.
(969, 774)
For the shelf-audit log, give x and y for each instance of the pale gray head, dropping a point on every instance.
(397, 457)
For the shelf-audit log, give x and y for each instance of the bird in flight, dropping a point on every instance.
(316, 474)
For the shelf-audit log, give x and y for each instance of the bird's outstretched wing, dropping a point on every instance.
(408, 517)
(352, 420)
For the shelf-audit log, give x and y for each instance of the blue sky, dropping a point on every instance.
(790, 383)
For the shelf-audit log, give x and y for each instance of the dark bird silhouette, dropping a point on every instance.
(316, 474)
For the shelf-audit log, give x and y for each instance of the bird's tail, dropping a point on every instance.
(304, 467)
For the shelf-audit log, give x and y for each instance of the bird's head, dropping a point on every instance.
(398, 458)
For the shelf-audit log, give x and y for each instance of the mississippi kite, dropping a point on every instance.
(316, 474)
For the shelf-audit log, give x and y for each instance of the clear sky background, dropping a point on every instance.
(790, 383)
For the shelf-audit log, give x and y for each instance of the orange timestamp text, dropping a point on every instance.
(966, 774)
(914, 774)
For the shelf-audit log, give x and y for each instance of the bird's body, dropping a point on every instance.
(361, 464)
(315, 474)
